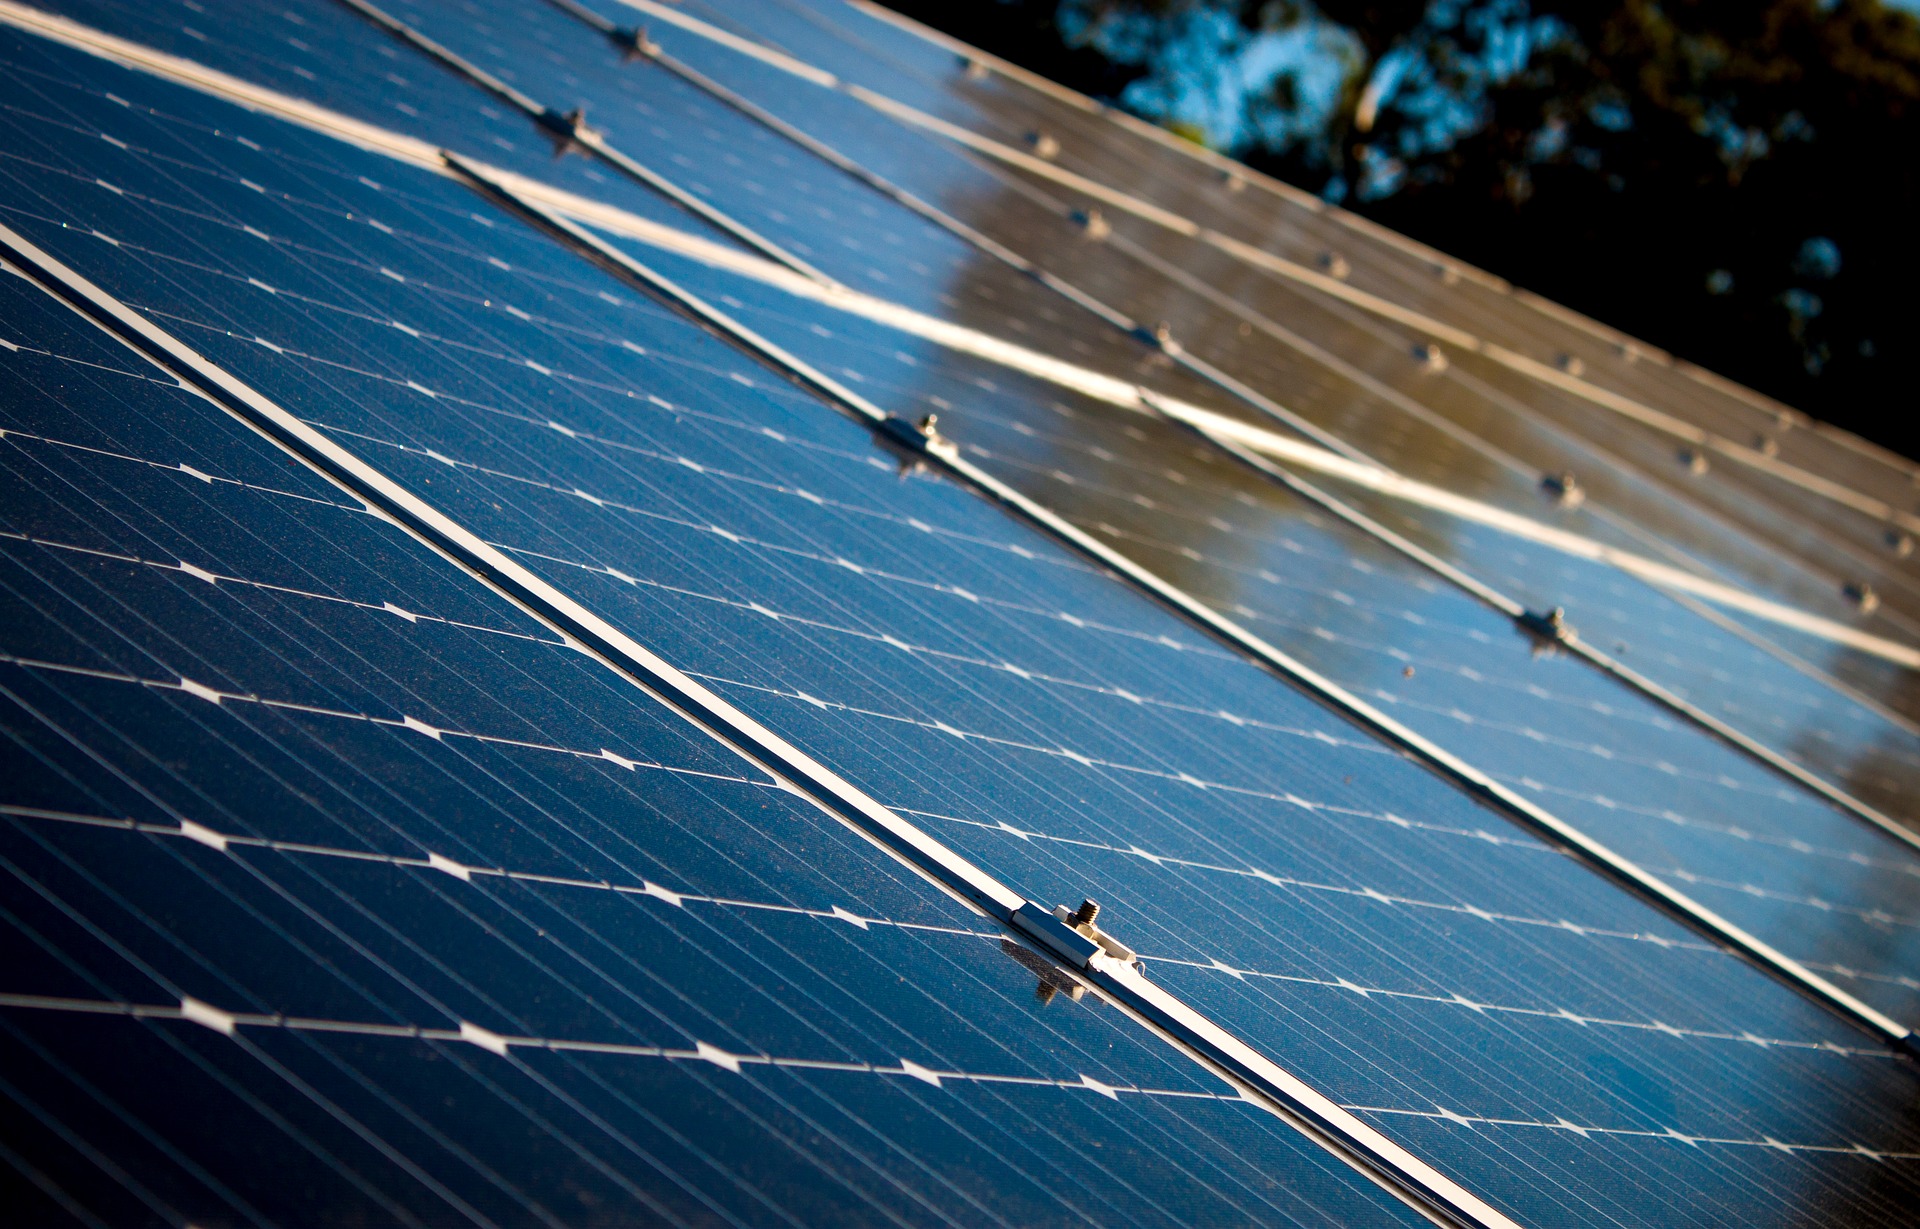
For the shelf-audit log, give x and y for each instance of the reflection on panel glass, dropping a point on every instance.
(861, 46)
(1434, 411)
(1363, 923)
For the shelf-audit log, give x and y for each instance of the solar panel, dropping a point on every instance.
(860, 130)
(1642, 776)
(480, 928)
(1759, 906)
(468, 925)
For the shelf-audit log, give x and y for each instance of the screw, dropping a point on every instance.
(1045, 991)
(1861, 594)
(1084, 915)
(928, 423)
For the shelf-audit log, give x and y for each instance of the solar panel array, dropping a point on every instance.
(580, 580)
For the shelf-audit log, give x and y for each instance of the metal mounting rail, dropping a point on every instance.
(1317, 1116)
(635, 43)
(923, 443)
(569, 129)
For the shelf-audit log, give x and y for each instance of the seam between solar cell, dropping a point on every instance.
(221, 696)
(927, 447)
(1502, 604)
(406, 149)
(1257, 258)
(205, 1015)
(222, 841)
(208, 1016)
(194, 1011)
(468, 872)
(218, 578)
(442, 734)
(1366, 1149)
(180, 467)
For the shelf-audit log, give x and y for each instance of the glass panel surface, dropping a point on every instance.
(1395, 421)
(1471, 425)
(1337, 905)
(886, 57)
(469, 928)
(1756, 847)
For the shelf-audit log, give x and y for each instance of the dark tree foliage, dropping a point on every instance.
(1737, 181)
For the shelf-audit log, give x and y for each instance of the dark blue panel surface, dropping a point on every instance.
(496, 938)
(1060, 732)
(1751, 844)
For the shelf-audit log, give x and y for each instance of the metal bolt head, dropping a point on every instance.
(1564, 487)
(1043, 145)
(1093, 223)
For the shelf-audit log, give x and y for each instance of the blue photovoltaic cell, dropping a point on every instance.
(705, 987)
(1754, 846)
(1315, 893)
